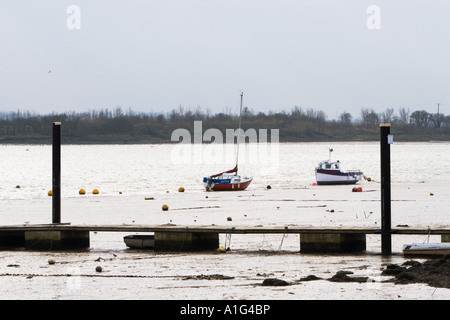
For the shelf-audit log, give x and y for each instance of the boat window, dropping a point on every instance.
(328, 166)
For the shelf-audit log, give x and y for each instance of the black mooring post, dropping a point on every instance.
(386, 243)
(56, 174)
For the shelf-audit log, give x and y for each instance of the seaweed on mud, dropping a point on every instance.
(275, 282)
(310, 277)
(435, 272)
(393, 270)
(208, 277)
(342, 276)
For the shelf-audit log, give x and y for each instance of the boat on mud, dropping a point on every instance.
(330, 173)
(228, 180)
(427, 249)
(140, 241)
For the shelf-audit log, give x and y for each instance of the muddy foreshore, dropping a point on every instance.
(434, 272)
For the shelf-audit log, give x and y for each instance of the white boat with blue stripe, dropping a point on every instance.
(427, 249)
(330, 173)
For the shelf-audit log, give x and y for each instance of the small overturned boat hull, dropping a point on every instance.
(427, 249)
(140, 241)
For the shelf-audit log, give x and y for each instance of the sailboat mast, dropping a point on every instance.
(239, 131)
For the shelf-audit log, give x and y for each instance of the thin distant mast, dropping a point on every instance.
(239, 132)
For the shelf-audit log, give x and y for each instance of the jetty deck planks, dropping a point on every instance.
(259, 229)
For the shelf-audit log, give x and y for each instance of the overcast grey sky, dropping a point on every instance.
(154, 56)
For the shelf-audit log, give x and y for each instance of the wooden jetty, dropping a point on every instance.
(171, 237)
(258, 229)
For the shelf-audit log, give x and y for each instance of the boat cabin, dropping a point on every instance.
(328, 165)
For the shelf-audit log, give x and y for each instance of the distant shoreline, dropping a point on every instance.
(298, 125)
(48, 141)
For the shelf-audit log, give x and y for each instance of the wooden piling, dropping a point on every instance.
(56, 173)
(385, 164)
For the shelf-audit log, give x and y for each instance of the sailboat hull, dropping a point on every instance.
(226, 184)
(231, 186)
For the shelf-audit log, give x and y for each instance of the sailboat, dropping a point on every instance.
(228, 180)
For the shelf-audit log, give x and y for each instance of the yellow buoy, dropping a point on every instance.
(95, 191)
(180, 189)
(221, 250)
(165, 207)
(167, 191)
(120, 192)
(431, 194)
(82, 191)
(50, 193)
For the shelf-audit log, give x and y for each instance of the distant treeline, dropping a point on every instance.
(120, 126)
